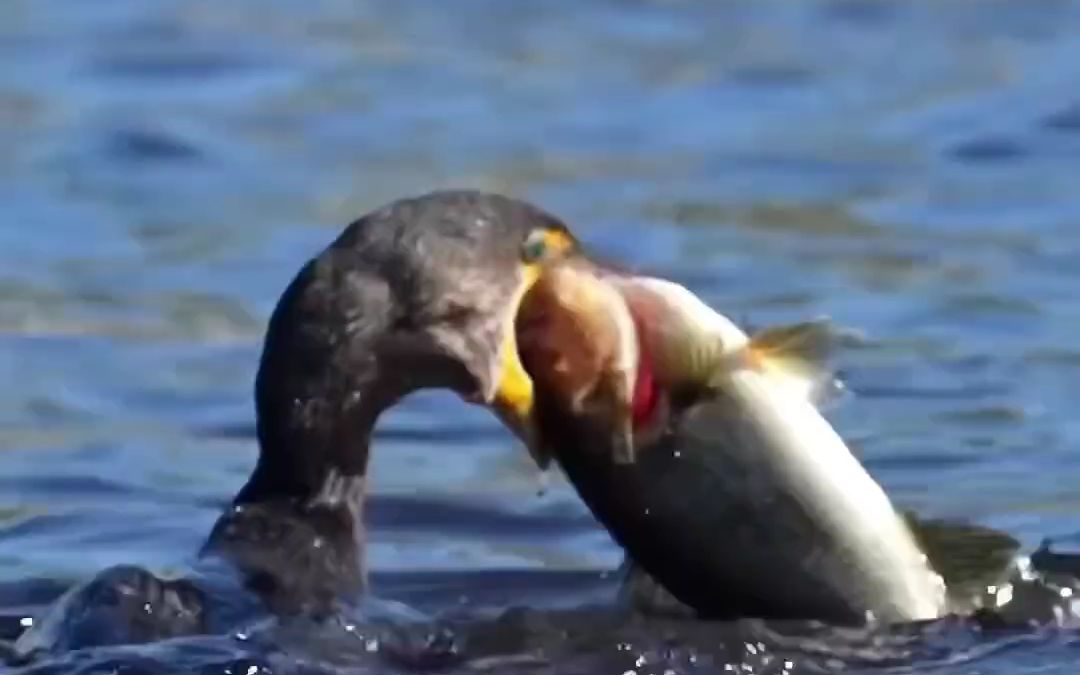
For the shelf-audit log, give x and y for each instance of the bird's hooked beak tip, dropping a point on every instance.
(511, 394)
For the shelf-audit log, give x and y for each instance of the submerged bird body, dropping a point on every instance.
(746, 502)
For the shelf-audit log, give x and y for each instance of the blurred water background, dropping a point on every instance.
(909, 169)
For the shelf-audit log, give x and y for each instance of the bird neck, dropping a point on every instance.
(314, 425)
(310, 466)
(317, 398)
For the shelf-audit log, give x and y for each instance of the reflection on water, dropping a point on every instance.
(906, 168)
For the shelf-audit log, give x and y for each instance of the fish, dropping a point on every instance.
(742, 500)
(580, 329)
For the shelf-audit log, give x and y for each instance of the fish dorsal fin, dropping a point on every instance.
(796, 356)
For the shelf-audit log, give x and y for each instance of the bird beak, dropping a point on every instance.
(513, 395)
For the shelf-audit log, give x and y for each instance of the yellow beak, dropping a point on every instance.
(513, 398)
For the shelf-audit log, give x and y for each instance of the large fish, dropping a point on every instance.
(741, 499)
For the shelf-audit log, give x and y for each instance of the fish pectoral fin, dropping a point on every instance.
(964, 554)
(622, 428)
(622, 442)
(796, 355)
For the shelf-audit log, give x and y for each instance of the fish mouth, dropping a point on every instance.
(582, 347)
(513, 398)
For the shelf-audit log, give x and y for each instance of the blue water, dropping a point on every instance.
(908, 169)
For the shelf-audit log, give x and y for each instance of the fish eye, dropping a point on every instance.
(535, 247)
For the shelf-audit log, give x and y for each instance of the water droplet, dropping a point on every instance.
(26, 621)
(252, 670)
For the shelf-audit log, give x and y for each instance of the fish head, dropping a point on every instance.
(578, 341)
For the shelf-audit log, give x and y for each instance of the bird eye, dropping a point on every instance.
(535, 247)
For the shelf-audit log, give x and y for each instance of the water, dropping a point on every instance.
(907, 168)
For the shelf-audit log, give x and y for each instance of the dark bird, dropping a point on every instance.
(419, 294)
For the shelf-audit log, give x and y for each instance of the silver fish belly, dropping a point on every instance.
(751, 506)
(811, 522)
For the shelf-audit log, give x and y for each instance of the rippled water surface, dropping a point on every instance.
(909, 169)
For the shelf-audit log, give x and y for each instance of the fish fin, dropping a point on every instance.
(966, 555)
(622, 441)
(643, 593)
(1047, 561)
(623, 428)
(796, 355)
